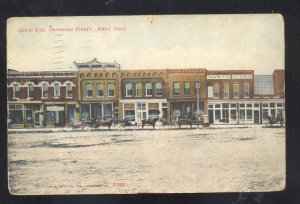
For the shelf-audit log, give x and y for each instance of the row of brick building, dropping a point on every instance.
(103, 91)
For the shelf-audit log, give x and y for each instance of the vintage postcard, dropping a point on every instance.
(146, 104)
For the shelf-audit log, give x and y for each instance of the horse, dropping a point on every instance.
(272, 120)
(149, 121)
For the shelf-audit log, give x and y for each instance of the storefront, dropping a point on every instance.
(243, 112)
(99, 111)
(137, 110)
(186, 108)
(25, 115)
(55, 115)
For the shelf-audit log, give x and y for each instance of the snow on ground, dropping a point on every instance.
(161, 161)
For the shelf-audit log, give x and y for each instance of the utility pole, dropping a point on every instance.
(198, 86)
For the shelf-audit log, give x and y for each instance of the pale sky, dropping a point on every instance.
(248, 41)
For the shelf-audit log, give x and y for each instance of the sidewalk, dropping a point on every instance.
(118, 128)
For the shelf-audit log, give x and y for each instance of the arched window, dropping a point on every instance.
(100, 89)
(56, 90)
(30, 90)
(16, 90)
(45, 90)
(89, 90)
(111, 89)
(69, 90)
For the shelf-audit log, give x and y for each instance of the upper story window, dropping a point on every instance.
(176, 88)
(89, 90)
(158, 88)
(148, 89)
(111, 89)
(100, 91)
(69, 90)
(129, 89)
(56, 90)
(226, 90)
(138, 89)
(16, 91)
(236, 91)
(246, 90)
(187, 89)
(216, 90)
(45, 90)
(30, 90)
(197, 88)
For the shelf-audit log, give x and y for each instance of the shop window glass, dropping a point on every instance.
(273, 112)
(265, 113)
(272, 105)
(16, 114)
(108, 111)
(225, 105)
(129, 115)
(279, 104)
(242, 114)
(217, 114)
(218, 106)
(233, 114)
(71, 111)
(85, 112)
(249, 105)
(256, 105)
(249, 114)
(138, 89)
(242, 105)
(153, 113)
(233, 105)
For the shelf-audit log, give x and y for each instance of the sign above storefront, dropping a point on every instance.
(218, 76)
(55, 108)
(233, 76)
